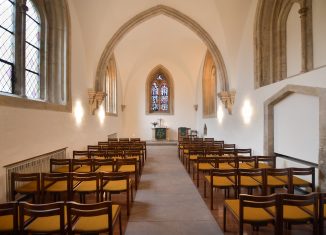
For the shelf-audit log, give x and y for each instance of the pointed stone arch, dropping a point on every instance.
(174, 14)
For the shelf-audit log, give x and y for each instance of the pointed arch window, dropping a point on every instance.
(160, 92)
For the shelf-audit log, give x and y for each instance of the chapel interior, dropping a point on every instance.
(155, 98)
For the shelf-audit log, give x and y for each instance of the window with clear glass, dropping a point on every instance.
(111, 87)
(7, 45)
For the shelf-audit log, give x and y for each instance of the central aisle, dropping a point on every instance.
(167, 202)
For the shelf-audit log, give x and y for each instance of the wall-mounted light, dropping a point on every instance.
(220, 114)
(78, 112)
(247, 111)
(101, 114)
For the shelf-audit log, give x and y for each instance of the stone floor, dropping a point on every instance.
(167, 201)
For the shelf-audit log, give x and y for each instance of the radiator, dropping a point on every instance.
(36, 164)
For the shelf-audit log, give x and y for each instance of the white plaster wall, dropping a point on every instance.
(293, 41)
(26, 133)
(296, 127)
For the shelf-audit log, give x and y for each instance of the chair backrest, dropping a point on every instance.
(229, 146)
(223, 159)
(93, 148)
(77, 210)
(48, 179)
(123, 139)
(210, 160)
(103, 162)
(243, 152)
(35, 211)
(79, 154)
(97, 154)
(57, 163)
(78, 163)
(251, 161)
(230, 173)
(306, 171)
(134, 139)
(265, 161)
(9, 210)
(227, 151)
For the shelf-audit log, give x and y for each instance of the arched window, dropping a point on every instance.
(159, 91)
(34, 47)
(111, 87)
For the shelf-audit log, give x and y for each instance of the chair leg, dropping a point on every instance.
(212, 198)
(204, 188)
(128, 209)
(120, 224)
(132, 193)
(224, 219)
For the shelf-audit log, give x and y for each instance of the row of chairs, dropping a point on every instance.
(279, 210)
(264, 179)
(102, 184)
(124, 139)
(59, 217)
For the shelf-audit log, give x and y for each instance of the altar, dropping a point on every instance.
(160, 133)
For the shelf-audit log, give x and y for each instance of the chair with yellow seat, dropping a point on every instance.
(60, 165)
(195, 151)
(82, 165)
(223, 179)
(116, 183)
(243, 152)
(277, 178)
(229, 146)
(100, 154)
(263, 162)
(93, 218)
(204, 165)
(26, 184)
(9, 218)
(135, 154)
(76, 154)
(104, 165)
(250, 179)
(227, 152)
(244, 162)
(55, 184)
(42, 218)
(85, 183)
(300, 182)
(293, 210)
(91, 148)
(226, 162)
(130, 166)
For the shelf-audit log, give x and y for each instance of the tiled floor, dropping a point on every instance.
(167, 201)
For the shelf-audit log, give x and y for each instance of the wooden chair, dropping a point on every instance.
(263, 162)
(93, 218)
(26, 184)
(80, 154)
(223, 179)
(43, 218)
(82, 165)
(244, 162)
(130, 166)
(229, 146)
(195, 151)
(134, 139)
(104, 165)
(60, 165)
(299, 182)
(322, 212)
(9, 218)
(135, 154)
(91, 148)
(124, 140)
(250, 179)
(100, 154)
(293, 210)
(277, 178)
(252, 210)
(204, 165)
(224, 162)
(84, 183)
(55, 184)
(115, 183)
(227, 152)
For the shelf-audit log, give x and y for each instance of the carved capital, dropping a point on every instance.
(95, 99)
(303, 11)
(227, 98)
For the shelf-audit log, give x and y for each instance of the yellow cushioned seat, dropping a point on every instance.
(105, 168)
(94, 223)
(45, 224)
(127, 168)
(62, 169)
(86, 186)
(276, 181)
(293, 213)
(204, 166)
(264, 165)
(249, 181)
(225, 166)
(83, 169)
(193, 157)
(186, 151)
(244, 165)
(116, 185)
(220, 181)
(310, 209)
(6, 222)
(29, 187)
(58, 186)
(299, 181)
(249, 214)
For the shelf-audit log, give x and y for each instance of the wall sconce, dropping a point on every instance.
(78, 112)
(246, 112)
(196, 107)
(227, 98)
(123, 107)
(101, 114)
(220, 114)
(95, 99)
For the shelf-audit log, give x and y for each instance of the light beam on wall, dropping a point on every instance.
(78, 112)
(220, 114)
(101, 114)
(247, 111)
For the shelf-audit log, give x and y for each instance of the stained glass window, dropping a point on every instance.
(159, 94)
(32, 54)
(7, 45)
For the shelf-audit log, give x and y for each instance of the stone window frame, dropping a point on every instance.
(159, 69)
(270, 39)
(55, 56)
(269, 122)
